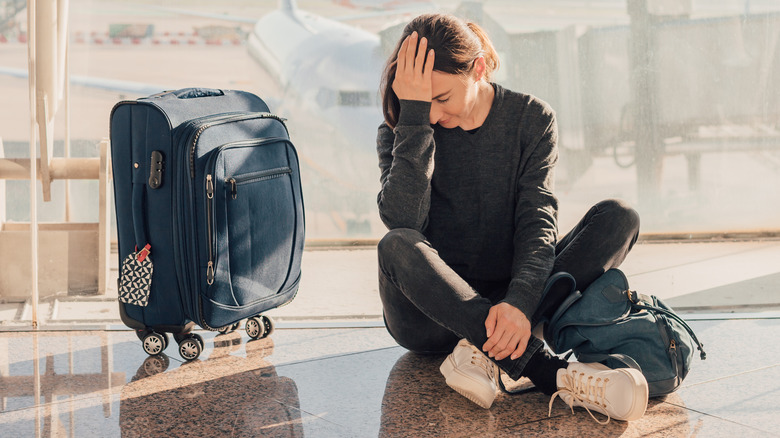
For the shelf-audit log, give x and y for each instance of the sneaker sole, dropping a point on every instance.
(641, 390)
(459, 382)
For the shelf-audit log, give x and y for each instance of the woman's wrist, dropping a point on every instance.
(414, 112)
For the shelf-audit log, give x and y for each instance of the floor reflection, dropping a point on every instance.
(47, 367)
(417, 402)
(224, 395)
(344, 383)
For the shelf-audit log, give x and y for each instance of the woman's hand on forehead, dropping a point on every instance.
(413, 70)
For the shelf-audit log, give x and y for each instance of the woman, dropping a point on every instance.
(467, 179)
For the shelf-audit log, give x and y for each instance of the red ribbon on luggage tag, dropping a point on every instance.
(144, 252)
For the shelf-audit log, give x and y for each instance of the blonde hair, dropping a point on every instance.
(457, 44)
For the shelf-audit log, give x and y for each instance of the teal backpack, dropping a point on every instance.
(612, 324)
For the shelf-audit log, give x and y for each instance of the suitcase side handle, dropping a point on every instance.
(193, 93)
(138, 215)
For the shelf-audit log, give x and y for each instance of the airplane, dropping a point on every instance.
(328, 73)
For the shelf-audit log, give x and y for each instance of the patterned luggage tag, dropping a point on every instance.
(136, 278)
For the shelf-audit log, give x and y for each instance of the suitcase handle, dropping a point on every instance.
(138, 215)
(193, 93)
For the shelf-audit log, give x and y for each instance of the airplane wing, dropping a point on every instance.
(126, 87)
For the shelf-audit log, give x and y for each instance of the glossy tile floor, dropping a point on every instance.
(343, 383)
(331, 370)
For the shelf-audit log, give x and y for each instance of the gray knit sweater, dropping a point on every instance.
(483, 200)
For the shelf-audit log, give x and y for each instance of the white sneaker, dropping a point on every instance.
(620, 394)
(471, 373)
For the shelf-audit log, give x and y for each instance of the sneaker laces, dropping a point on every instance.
(477, 358)
(585, 391)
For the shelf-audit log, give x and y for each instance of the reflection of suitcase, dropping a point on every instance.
(207, 187)
(224, 395)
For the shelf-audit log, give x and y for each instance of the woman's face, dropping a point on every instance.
(454, 97)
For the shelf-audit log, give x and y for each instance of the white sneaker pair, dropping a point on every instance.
(620, 394)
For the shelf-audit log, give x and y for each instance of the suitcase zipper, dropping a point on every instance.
(253, 177)
(187, 134)
(208, 122)
(209, 225)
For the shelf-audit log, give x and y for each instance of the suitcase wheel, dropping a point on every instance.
(269, 325)
(191, 347)
(255, 327)
(259, 326)
(200, 340)
(154, 343)
(228, 328)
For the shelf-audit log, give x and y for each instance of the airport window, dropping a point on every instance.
(674, 107)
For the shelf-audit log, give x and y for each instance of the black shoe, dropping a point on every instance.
(559, 286)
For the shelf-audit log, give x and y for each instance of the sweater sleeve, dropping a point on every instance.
(536, 213)
(406, 164)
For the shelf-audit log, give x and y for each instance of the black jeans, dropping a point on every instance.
(428, 308)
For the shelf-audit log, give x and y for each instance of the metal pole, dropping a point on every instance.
(31, 9)
(67, 130)
(62, 32)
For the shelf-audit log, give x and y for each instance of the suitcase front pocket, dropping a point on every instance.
(255, 177)
(253, 220)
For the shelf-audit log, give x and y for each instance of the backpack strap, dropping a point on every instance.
(639, 301)
(564, 285)
(551, 329)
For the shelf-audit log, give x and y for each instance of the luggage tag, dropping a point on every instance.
(136, 279)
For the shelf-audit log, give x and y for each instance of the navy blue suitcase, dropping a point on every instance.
(210, 217)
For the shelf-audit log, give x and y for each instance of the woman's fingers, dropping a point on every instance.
(521, 347)
(400, 62)
(429, 65)
(413, 69)
(412, 56)
(508, 331)
(410, 49)
(419, 61)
